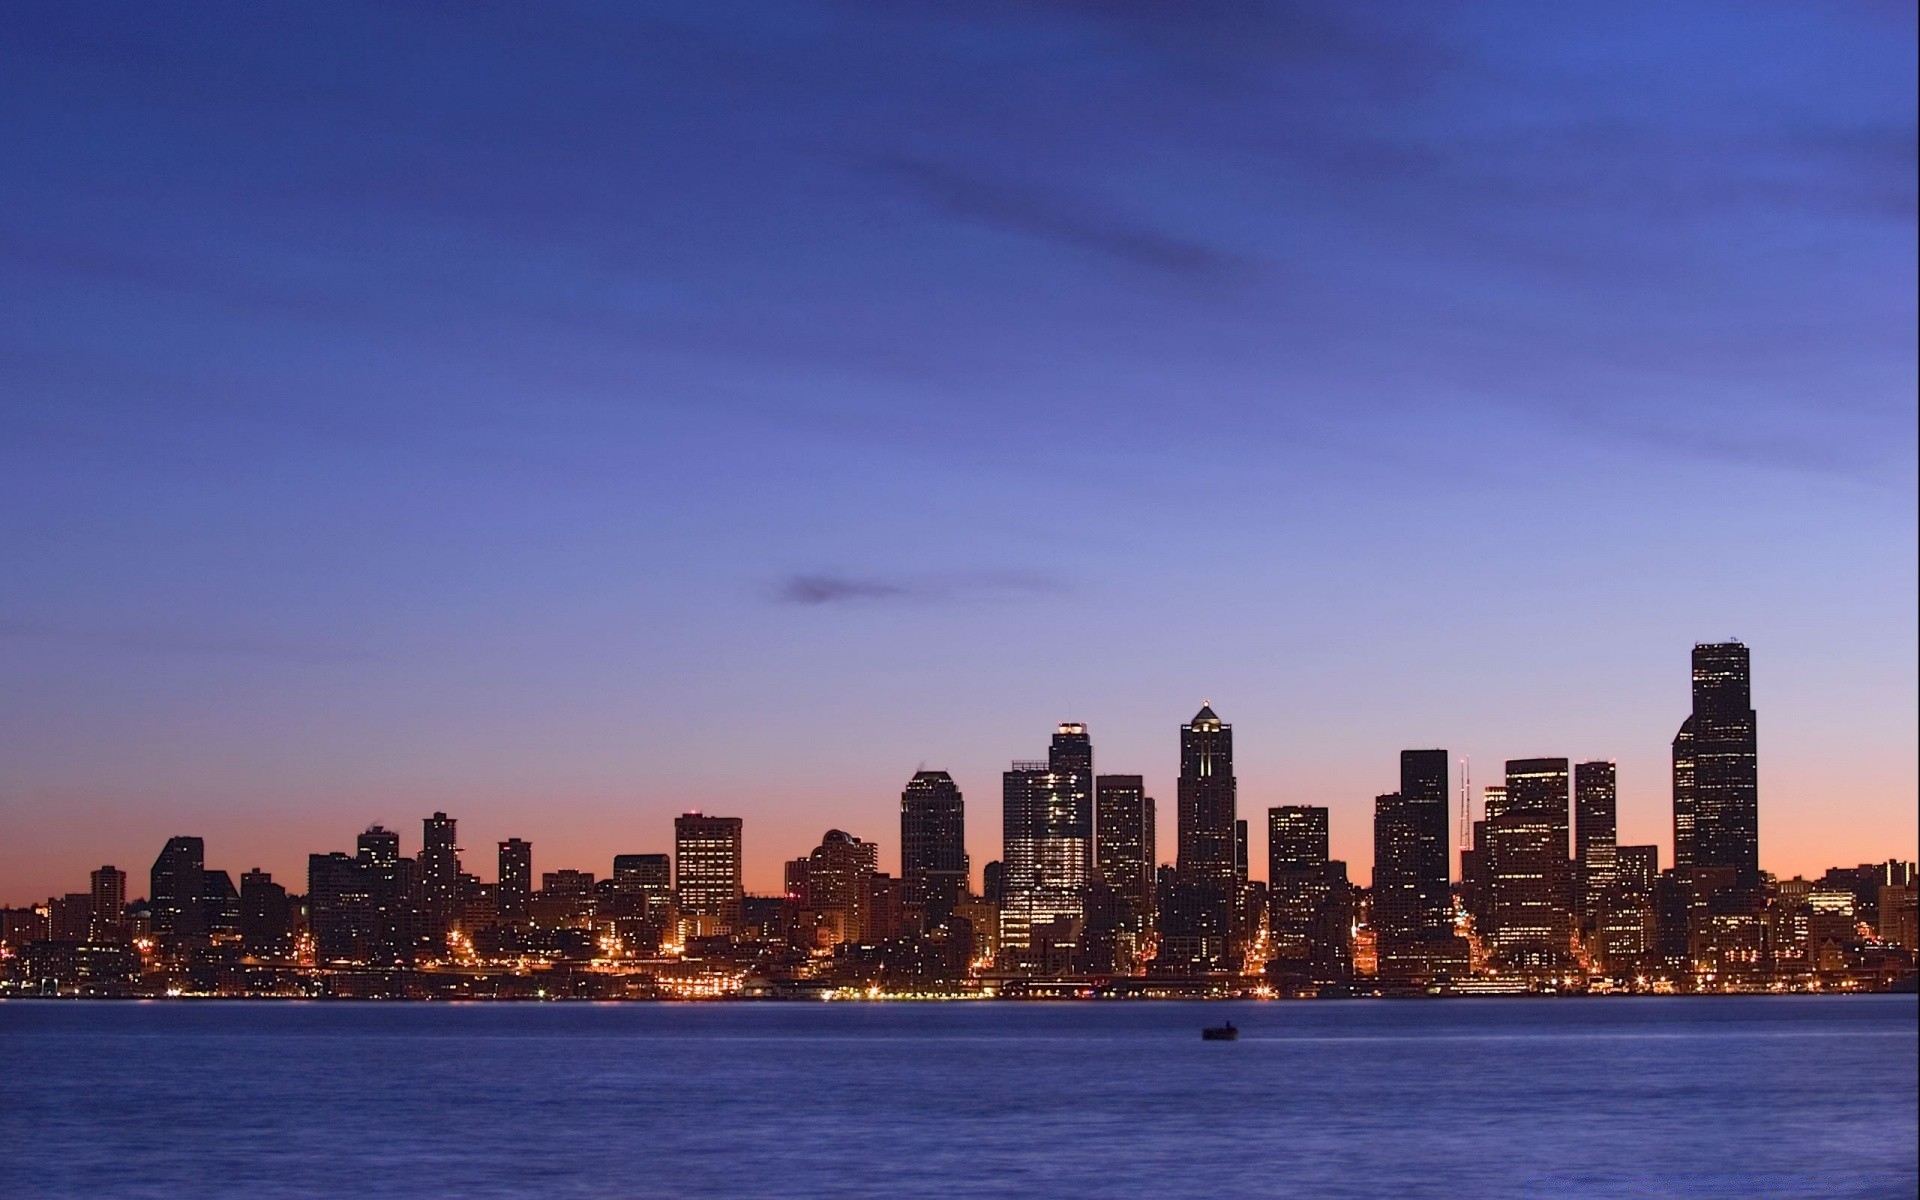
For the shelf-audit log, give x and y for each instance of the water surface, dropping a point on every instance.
(1604, 1098)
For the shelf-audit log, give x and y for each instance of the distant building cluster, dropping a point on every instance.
(1078, 904)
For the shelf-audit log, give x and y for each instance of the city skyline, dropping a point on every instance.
(687, 409)
(1433, 842)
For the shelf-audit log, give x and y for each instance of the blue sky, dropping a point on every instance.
(569, 418)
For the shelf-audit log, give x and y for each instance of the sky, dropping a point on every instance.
(568, 418)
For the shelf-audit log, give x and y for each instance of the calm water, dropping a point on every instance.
(1737, 1097)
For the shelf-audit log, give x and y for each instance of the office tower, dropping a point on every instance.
(829, 890)
(652, 874)
(933, 845)
(1123, 855)
(706, 864)
(1198, 928)
(378, 906)
(439, 871)
(220, 901)
(567, 882)
(1683, 827)
(1412, 901)
(1308, 907)
(174, 890)
(1593, 836)
(109, 904)
(516, 881)
(1624, 914)
(1725, 791)
(1070, 761)
(1527, 865)
(1043, 860)
(266, 916)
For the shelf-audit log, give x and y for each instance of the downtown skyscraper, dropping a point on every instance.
(1716, 795)
(1198, 930)
(1528, 871)
(1412, 901)
(933, 845)
(1047, 856)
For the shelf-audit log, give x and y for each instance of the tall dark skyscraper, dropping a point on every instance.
(933, 845)
(176, 890)
(516, 881)
(1124, 846)
(1198, 929)
(1411, 897)
(439, 880)
(1725, 790)
(1594, 835)
(1070, 759)
(1528, 871)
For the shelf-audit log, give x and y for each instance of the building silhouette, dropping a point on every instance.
(1724, 790)
(1528, 869)
(934, 872)
(176, 891)
(107, 907)
(515, 890)
(1124, 861)
(1198, 928)
(1594, 837)
(439, 875)
(1412, 900)
(1309, 903)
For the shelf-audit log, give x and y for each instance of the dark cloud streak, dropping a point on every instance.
(820, 588)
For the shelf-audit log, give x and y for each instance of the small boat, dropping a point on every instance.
(1220, 1033)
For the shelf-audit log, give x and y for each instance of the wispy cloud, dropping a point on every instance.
(814, 589)
(1078, 222)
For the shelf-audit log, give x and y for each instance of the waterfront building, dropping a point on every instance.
(515, 891)
(1124, 860)
(108, 905)
(706, 884)
(1725, 790)
(439, 880)
(175, 890)
(1528, 869)
(1198, 929)
(1594, 836)
(934, 871)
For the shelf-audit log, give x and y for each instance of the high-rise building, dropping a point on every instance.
(439, 871)
(1124, 856)
(933, 845)
(652, 874)
(1045, 856)
(1411, 897)
(109, 906)
(1070, 760)
(706, 863)
(1725, 791)
(1528, 870)
(266, 916)
(1594, 835)
(176, 891)
(830, 888)
(1198, 929)
(1309, 909)
(516, 881)
(1683, 830)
